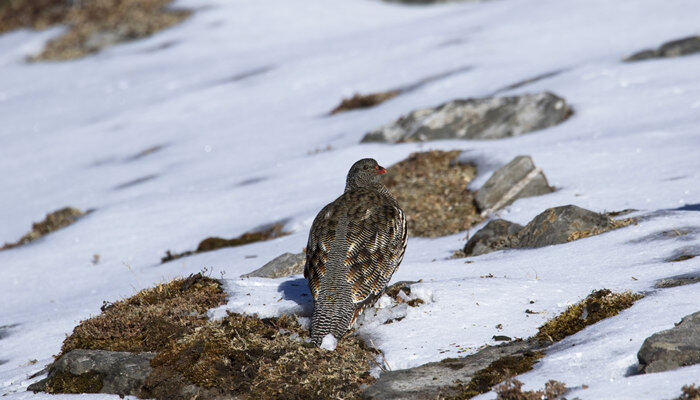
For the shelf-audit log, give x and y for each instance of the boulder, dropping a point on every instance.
(673, 48)
(284, 265)
(496, 235)
(97, 371)
(517, 179)
(673, 348)
(678, 280)
(481, 118)
(562, 224)
(439, 379)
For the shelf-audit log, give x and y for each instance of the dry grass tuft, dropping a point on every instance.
(93, 24)
(689, 392)
(215, 243)
(431, 188)
(614, 224)
(498, 371)
(259, 359)
(150, 319)
(598, 305)
(65, 382)
(364, 101)
(511, 389)
(53, 222)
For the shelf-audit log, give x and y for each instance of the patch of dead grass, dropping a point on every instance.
(511, 389)
(431, 188)
(600, 304)
(215, 243)
(498, 371)
(260, 359)
(93, 24)
(689, 392)
(150, 319)
(364, 101)
(53, 222)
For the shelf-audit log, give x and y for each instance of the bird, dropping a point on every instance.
(355, 245)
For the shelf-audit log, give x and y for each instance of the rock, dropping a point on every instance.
(496, 235)
(562, 224)
(678, 280)
(517, 179)
(97, 371)
(439, 378)
(673, 348)
(674, 48)
(482, 118)
(284, 265)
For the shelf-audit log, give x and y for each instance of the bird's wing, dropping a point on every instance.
(319, 246)
(376, 236)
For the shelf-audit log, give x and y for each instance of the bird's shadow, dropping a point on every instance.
(297, 291)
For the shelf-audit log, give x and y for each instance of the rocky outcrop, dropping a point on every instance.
(440, 379)
(481, 118)
(673, 48)
(562, 224)
(97, 371)
(517, 179)
(678, 280)
(553, 226)
(673, 348)
(284, 265)
(497, 234)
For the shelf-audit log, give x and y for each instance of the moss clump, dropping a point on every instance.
(259, 359)
(498, 371)
(65, 382)
(150, 319)
(431, 188)
(215, 243)
(598, 305)
(364, 101)
(53, 222)
(614, 224)
(511, 389)
(92, 24)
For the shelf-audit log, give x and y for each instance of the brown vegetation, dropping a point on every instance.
(259, 359)
(53, 222)
(689, 392)
(364, 101)
(511, 389)
(431, 188)
(498, 371)
(598, 305)
(93, 24)
(150, 319)
(614, 224)
(215, 243)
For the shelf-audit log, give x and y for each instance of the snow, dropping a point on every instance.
(239, 104)
(329, 342)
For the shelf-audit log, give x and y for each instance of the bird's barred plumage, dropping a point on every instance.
(355, 245)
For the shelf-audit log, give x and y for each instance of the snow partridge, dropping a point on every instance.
(355, 245)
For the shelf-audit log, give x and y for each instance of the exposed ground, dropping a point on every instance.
(92, 24)
(53, 222)
(431, 188)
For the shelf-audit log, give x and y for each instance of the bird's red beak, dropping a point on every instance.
(379, 170)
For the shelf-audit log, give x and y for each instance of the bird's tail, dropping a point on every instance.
(333, 314)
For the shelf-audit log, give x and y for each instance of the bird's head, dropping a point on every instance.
(364, 173)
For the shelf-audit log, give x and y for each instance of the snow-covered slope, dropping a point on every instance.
(237, 98)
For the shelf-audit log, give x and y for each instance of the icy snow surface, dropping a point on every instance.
(329, 342)
(236, 105)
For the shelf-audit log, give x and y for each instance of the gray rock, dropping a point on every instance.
(496, 235)
(678, 280)
(517, 179)
(674, 48)
(673, 348)
(439, 378)
(284, 265)
(562, 224)
(122, 373)
(483, 118)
